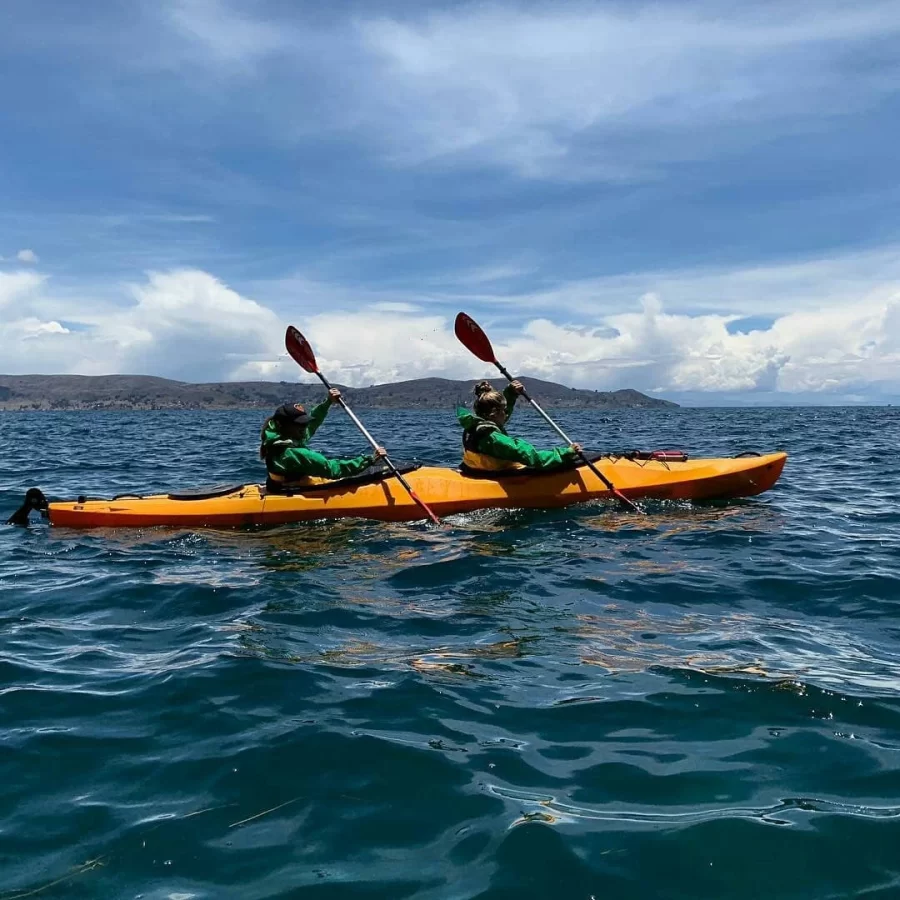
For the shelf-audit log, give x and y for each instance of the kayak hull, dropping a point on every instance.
(446, 491)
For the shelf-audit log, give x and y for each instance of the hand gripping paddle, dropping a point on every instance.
(301, 352)
(476, 341)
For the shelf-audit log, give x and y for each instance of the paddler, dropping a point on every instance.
(486, 445)
(283, 443)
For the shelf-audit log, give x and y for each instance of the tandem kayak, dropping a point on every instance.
(447, 491)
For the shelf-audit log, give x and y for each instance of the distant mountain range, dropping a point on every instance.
(79, 392)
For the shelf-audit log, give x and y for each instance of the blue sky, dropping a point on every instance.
(694, 199)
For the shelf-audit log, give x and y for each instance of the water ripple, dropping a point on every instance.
(526, 703)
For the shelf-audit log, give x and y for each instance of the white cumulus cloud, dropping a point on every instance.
(17, 288)
(184, 324)
(187, 324)
(27, 256)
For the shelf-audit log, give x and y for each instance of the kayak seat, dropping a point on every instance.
(371, 476)
(206, 492)
(504, 474)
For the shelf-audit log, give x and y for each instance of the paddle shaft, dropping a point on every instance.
(618, 494)
(387, 459)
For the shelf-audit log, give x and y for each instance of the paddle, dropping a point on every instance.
(301, 352)
(476, 341)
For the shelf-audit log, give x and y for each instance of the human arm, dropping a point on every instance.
(317, 417)
(502, 446)
(510, 394)
(303, 461)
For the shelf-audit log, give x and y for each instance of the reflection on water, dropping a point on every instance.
(785, 812)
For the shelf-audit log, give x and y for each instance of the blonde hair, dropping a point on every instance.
(487, 399)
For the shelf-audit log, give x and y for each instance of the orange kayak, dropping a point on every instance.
(446, 491)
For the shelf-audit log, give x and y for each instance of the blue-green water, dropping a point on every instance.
(703, 703)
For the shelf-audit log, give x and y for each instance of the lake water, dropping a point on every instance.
(701, 703)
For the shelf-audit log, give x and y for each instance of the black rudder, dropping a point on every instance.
(34, 499)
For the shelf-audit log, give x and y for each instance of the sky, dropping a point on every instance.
(697, 200)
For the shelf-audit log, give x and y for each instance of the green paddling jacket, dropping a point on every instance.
(291, 458)
(487, 447)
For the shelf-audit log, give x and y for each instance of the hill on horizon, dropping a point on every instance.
(130, 392)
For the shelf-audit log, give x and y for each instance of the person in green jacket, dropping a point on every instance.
(283, 443)
(486, 445)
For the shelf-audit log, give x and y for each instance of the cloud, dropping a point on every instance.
(562, 91)
(825, 352)
(192, 325)
(393, 151)
(373, 346)
(573, 90)
(187, 324)
(394, 306)
(31, 328)
(614, 93)
(21, 331)
(183, 324)
(825, 327)
(18, 287)
(227, 36)
(763, 289)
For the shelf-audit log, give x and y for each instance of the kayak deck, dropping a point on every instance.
(446, 491)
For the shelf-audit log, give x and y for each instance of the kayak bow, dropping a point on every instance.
(446, 491)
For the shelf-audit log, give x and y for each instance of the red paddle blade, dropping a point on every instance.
(300, 351)
(473, 338)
